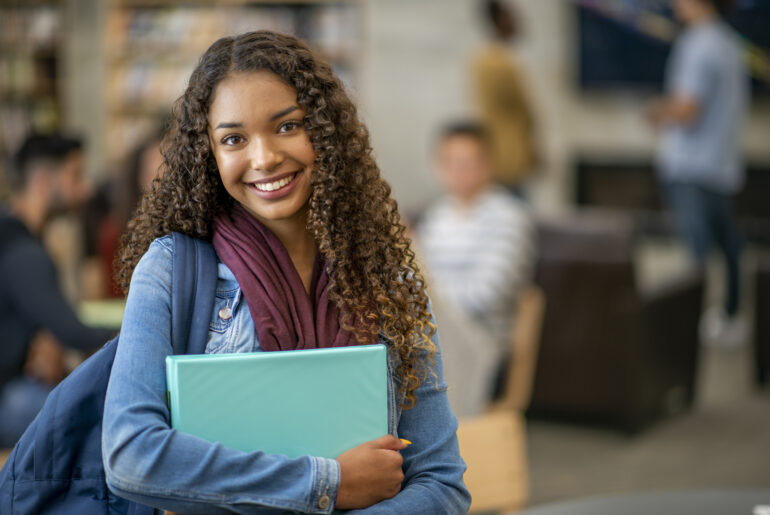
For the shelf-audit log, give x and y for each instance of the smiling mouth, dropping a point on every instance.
(274, 185)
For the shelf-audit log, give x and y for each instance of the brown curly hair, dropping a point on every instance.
(374, 279)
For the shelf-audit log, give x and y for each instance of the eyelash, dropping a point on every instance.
(227, 138)
(294, 124)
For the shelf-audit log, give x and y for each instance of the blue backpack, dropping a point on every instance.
(56, 467)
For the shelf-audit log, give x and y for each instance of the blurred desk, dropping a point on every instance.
(102, 313)
(689, 502)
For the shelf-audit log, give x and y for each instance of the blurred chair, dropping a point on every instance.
(494, 444)
(611, 352)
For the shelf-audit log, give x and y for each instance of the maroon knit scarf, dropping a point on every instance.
(285, 316)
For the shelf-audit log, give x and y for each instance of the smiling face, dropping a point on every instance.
(263, 153)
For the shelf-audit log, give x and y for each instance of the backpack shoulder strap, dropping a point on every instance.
(193, 286)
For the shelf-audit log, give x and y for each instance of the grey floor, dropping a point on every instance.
(723, 442)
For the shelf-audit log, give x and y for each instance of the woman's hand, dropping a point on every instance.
(370, 473)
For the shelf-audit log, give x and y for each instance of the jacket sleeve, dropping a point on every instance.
(433, 468)
(30, 279)
(147, 461)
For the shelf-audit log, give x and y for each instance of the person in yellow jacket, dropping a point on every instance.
(502, 101)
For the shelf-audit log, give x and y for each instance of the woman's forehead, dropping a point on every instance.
(251, 93)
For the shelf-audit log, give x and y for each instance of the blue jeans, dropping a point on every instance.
(20, 402)
(704, 218)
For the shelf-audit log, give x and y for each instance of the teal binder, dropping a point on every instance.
(318, 402)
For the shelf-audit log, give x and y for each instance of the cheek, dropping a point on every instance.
(308, 153)
(228, 166)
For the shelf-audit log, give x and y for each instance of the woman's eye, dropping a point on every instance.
(289, 126)
(231, 140)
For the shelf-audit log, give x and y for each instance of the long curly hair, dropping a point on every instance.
(374, 279)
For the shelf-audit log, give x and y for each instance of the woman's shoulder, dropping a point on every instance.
(158, 256)
(165, 242)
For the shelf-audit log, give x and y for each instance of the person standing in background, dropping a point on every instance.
(700, 116)
(502, 100)
(45, 179)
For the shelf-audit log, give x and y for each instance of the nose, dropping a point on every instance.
(264, 155)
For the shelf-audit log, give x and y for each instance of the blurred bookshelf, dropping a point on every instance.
(30, 61)
(152, 46)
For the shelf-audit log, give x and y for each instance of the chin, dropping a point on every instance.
(275, 213)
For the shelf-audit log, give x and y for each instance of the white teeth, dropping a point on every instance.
(272, 186)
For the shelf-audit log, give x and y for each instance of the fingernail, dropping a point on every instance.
(407, 442)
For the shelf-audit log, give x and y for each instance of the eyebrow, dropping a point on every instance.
(239, 125)
(284, 112)
(229, 125)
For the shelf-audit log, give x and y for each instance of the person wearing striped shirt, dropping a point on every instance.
(476, 244)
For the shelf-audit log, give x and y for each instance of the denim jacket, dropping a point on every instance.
(147, 461)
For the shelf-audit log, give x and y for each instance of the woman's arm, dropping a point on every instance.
(148, 462)
(433, 468)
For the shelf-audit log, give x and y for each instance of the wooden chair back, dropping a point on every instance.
(493, 446)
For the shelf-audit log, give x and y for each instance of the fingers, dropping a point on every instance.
(394, 489)
(390, 442)
(391, 472)
(370, 472)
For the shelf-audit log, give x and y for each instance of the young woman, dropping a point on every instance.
(268, 160)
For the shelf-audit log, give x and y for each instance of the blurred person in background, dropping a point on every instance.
(107, 212)
(700, 117)
(45, 179)
(502, 100)
(477, 246)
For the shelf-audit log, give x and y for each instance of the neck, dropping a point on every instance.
(30, 210)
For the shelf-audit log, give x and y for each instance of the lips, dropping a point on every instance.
(275, 187)
(275, 184)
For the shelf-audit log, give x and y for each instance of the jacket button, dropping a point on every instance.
(225, 313)
(323, 502)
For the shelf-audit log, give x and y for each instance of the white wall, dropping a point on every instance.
(412, 82)
(414, 79)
